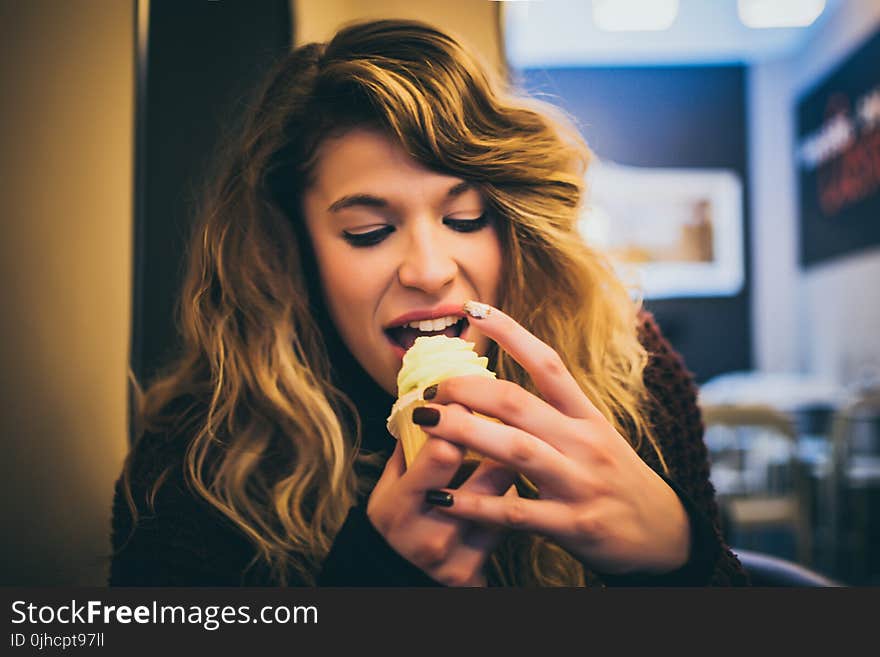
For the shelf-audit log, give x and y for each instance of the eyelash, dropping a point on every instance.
(374, 237)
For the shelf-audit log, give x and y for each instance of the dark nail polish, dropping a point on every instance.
(425, 416)
(438, 498)
(430, 392)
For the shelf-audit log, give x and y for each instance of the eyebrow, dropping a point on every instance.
(371, 201)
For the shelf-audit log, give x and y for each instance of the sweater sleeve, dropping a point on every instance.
(678, 426)
(186, 542)
(169, 549)
(182, 541)
(360, 556)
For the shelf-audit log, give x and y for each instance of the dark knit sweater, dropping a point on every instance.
(188, 543)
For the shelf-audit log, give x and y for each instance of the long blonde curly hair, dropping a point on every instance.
(275, 447)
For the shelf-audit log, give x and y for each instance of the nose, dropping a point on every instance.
(427, 264)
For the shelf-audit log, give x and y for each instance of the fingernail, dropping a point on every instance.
(430, 392)
(425, 416)
(438, 498)
(477, 310)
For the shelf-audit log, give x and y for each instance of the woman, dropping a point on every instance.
(381, 178)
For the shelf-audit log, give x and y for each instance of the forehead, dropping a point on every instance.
(366, 161)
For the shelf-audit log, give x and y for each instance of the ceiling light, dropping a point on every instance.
(779, 13)
(634, 15)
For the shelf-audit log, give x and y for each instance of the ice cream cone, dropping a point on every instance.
(411, 436)
(430, 360)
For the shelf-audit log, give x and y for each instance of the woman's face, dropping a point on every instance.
(396, 242)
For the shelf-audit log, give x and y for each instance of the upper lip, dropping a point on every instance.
(455, 310)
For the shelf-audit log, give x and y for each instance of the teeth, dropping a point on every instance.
(434, 324)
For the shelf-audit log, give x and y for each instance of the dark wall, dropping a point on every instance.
(200, 65)
(669, 117)
(840, 193)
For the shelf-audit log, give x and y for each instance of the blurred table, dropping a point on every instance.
(837, 454)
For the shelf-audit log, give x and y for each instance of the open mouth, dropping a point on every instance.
(405, 336)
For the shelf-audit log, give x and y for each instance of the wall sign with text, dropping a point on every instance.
(838, 159)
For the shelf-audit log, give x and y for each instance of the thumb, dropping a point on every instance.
(394, 468)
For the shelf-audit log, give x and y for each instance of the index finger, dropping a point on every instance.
(552, 378)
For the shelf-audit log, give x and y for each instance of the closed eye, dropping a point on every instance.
(367, 239)
(375, 236)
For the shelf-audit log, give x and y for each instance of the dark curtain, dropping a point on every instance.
(197, 64)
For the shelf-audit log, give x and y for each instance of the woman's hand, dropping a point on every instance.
(452, 551)
(597, 498)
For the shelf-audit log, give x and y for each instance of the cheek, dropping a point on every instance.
(336, 277)
(338, 267)
(487, 263)
(352, 283)
(340, 290)
(355, 275)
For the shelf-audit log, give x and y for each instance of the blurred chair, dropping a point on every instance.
(759, 481)
(855, 489)
(768, 570)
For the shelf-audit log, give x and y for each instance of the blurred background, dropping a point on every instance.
(736, 180)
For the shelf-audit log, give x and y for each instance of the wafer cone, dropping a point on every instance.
(411, 436)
